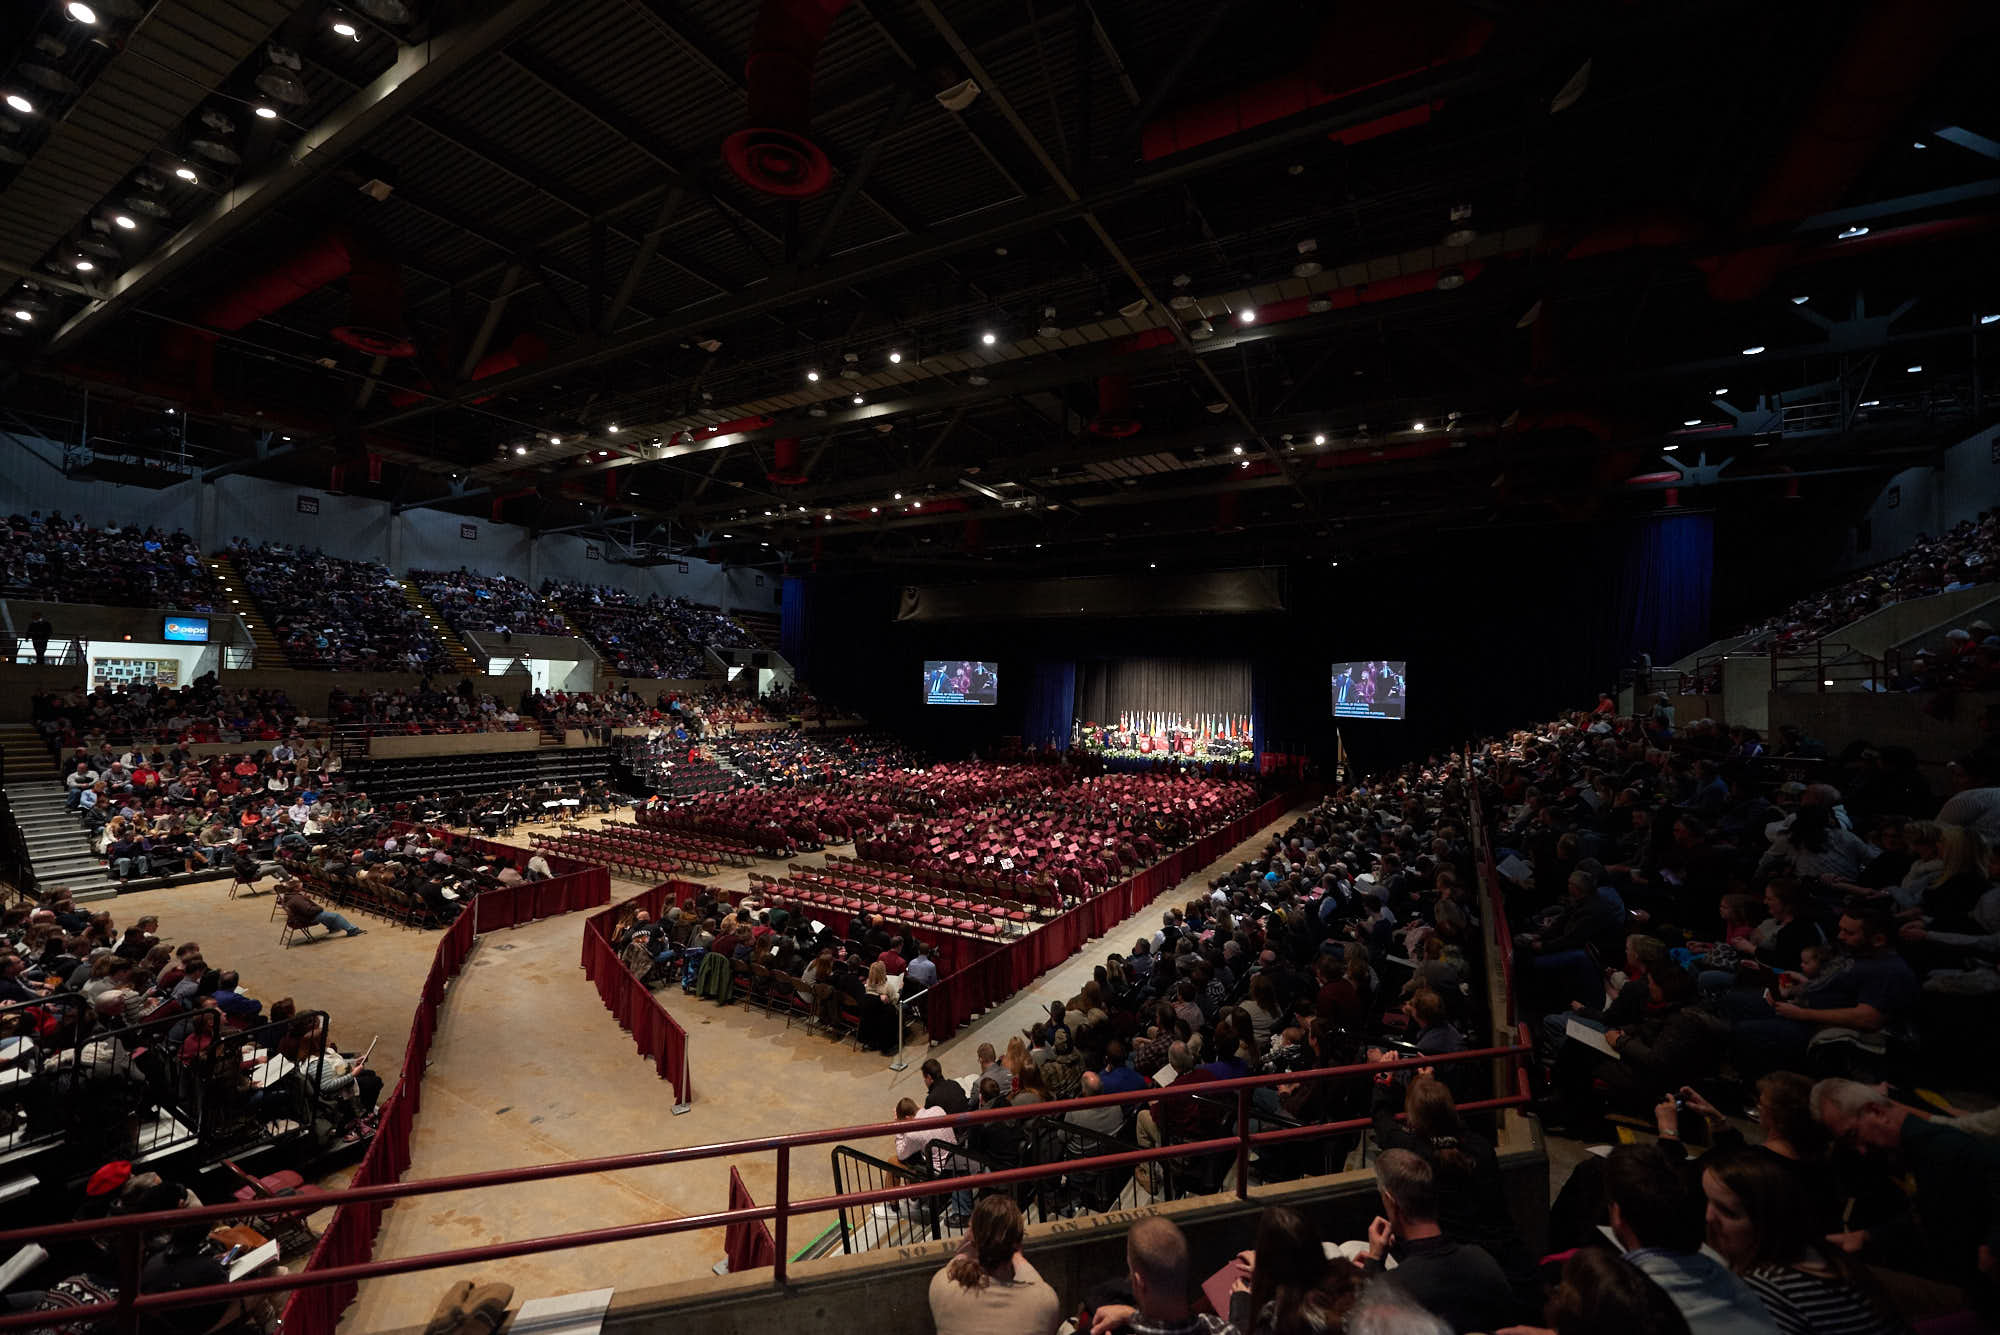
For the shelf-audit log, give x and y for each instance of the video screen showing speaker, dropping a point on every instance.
(1375, 689)
(960, 681)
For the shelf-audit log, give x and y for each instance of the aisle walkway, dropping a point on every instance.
(529, 1068)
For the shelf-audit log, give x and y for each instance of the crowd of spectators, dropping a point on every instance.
(487, 603)
(337, 615)
(425, 710)
(199, 712)
(1969, 660)
(791, 759)
(1966, 556)
(653, 636)
(59, 560)
(201, 1021)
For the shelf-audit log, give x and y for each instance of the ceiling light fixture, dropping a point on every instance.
(346, 29)
(21, 104)
(1914, 369)
(859, 400)
(265, 113)
(84, 266)
(1670, 448)
(613, 428)
(874, 509)
(895, 357)
(25, 317)
(899, 496)
(828, 515)
(124, 220)
(1871, 403)
(1720, 392)
(1990, 319)
(1416, 426)
(1849, 233)
(813, 376)
(1800, 301)
(1244, 464)
(916, 505)
(520, 449)
(989, 338)
(81, 12)
(1248, 315)
(185, 173)
(555, 440)
(1319, 439)
(1753, 349)
(1236, 449)
(1692, 421)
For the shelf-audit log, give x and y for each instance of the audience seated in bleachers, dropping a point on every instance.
(646, 637)
(487, 603)
(59, 560)
(331, 614)
(1968, 555)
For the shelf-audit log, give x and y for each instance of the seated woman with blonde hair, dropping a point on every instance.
(989, 1288)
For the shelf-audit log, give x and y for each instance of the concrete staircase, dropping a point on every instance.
(457, 656)
(269, 653)
(58, 849)
(764, 626)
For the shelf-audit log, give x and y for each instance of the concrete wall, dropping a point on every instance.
(1746, 692)
(95, 621)
(1928, 500)
(453, 744)
(1878, 631)
(1937, 729)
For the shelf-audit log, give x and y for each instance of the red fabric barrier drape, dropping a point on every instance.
(654, 1032)
(749, 1245)
(350, 1238)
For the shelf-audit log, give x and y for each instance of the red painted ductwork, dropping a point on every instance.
(772, 154)
(1114, 419)
(374, 302)
(1358, 48)
(525, 350)
(785, 470)
(1865, 96)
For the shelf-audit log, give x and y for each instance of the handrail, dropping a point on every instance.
(130, 1230)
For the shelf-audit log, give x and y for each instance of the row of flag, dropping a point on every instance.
(1204, 726)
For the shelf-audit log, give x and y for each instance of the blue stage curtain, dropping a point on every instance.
(792, 624)
(1665, 581)
(1050, 705)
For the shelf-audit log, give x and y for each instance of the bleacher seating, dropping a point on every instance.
(336, 615)
(55, 560)
(394, 780)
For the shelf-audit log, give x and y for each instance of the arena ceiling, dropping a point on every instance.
(817, 283)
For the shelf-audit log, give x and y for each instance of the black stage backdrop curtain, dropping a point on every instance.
(1186, 687)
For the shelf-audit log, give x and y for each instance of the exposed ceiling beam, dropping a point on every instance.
(419, 70)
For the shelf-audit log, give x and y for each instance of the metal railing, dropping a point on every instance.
(127, 1233)
(1824, 667)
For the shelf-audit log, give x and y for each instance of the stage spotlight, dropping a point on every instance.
(989, 338)
(813, 376)
(1248, 315)
(1753, 349)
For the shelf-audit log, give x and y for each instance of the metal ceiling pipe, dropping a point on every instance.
(525, 350)
(1871, 85)
(1358, 48)
(773, 154)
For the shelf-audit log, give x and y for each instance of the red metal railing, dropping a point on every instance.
(128, 1232)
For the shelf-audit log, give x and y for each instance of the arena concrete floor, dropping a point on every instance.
(528, 1067)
